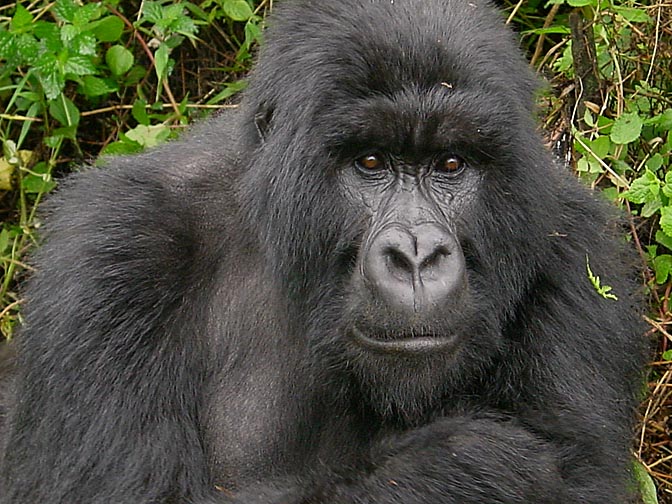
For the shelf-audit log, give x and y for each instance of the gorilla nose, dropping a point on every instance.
(415, 269)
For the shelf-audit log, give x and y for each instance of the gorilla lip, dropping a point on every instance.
(403, 345)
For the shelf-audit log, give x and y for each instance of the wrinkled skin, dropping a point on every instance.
(367, 284)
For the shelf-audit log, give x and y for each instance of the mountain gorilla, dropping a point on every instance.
(367, 284)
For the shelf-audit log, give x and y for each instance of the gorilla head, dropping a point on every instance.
(391, 184)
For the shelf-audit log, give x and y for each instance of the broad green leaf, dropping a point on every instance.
(654, 163)
(580, 3)
(139, 111)
(633, 14)
(107, 29)
(149, 136)
(119, 59)
(662, 265)
(85, 13)
(94, 86)
(667, 355)
(84, 44)
(663, 239)
(238, 10)
(64, 111)
(644, 188)
(21, 21)
(666, 220)
(50, 75)
(79, 65)
(647, 488)
(65, 10)
(626, 128)
(600, 146)
(49, 34)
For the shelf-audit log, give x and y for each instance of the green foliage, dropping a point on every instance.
(602, 290)
(70, 69)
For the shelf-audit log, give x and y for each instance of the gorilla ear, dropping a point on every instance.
(262, 120)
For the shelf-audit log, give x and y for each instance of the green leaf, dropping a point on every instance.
(21, 21)
(107, 29)
(139, 111)
(149, 136)
(667, 355)
(80, 65)
(633, 14)
(602, 290)
(666, 220)
(49, 34)
(119, 59)
(647, 488)
(4, 240)
(663, 239)
(94, 86)
(84, 44)
(662, 264)
(654, 163)
(64, 111)
(161, 62)
(50, 75)
(238, 10)
(643, 189)
(579, 3)
(65, 10)
(626, 128)
(230, 89)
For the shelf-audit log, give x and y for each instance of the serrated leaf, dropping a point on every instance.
(238, 10)
(21, 21)
(84, 44)
(50, 75)
(650, 208)
(149, 136)
(86, 13)
(49, 34)
(643, 189)
(79, 65)
(107, 29)
(626, 128)
(119, 59)
(600, 146)
(662, 265)
(27, 49)
(65, 10)
(666, 220)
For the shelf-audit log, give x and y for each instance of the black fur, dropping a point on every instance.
(187, 327)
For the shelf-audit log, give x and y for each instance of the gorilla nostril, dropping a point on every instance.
(435, 258)
(398, 261)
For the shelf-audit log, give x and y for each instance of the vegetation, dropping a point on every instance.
(81, 78)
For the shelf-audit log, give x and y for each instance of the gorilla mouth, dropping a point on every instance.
(404, 343)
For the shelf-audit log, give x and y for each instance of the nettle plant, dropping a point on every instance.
(66, 62)
(625, 144)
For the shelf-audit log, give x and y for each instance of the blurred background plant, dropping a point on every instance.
(78, 79)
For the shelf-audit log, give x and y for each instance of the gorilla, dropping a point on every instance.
(366, 284)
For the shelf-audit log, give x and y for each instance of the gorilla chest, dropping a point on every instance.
(259, 428)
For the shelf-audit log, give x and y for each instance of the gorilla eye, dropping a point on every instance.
(372, 162)
(450, 164)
